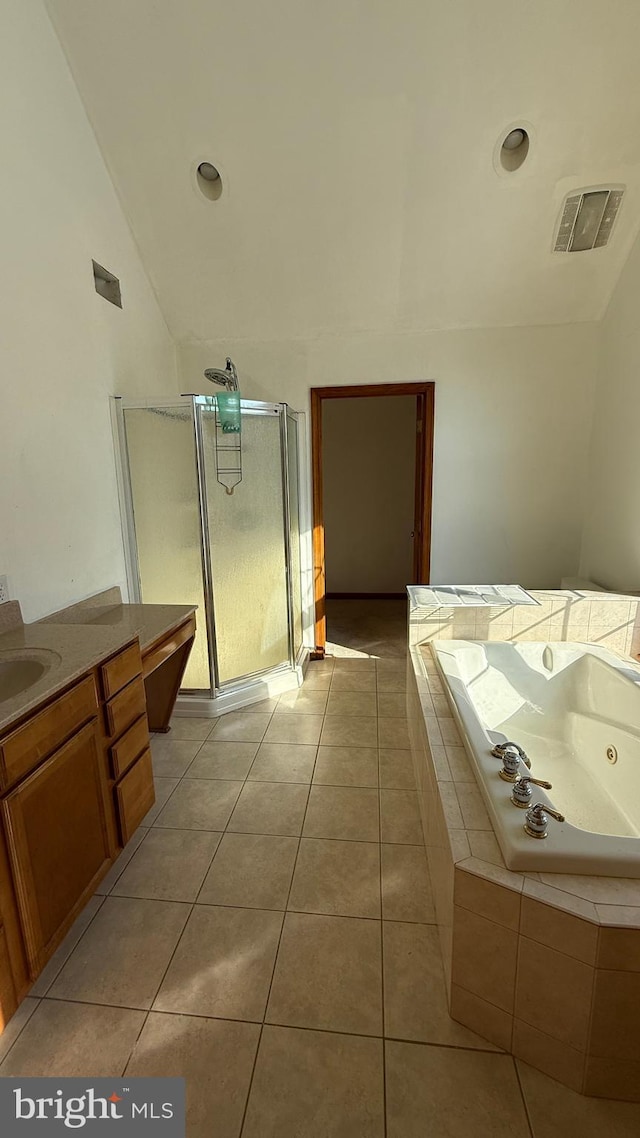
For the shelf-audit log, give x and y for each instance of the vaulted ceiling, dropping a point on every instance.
(356, 141)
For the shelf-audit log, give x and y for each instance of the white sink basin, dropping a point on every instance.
(21, 669)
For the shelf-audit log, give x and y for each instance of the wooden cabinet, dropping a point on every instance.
(120, 670)
(129, 747)
(58, 841)
(135, 795)
(76, 781)
(8, 997)
(127, 706)
(22, 749)
(14, 977)
(164, 663)
(127, 742)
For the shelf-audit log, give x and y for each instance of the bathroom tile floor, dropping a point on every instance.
(369, 627)
(269, 934)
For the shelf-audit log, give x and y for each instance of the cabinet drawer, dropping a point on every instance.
(119, 671)
(121, 711)
(129, 747)
(23, 749)
(135, 796)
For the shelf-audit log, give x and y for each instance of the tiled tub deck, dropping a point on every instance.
(544, 965)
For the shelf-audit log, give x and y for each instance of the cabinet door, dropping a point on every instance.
(58, 841)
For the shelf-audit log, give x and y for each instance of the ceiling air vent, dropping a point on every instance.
(587, 219)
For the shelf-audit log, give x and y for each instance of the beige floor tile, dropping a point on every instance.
(396, 769)
(170, 865)
(252, 870)
(124, 857)
(304, 701)
(328, 975)
(315, 1084)
(223, 964)
(270, 808)
(63, 952)
(190, 727)
(350, 731)
(283, 762)
(315, 680)
(64, 1039)
(392, 705)
(171, 757)
(444, 1091)
(351, 702)
(344, 812)
(287, 727)
(358, 680)
(386, 664)
(347, 766)
(122, 957)
(227, 758)
(555, 1110)
(392, 682)
(164, 788)
(339, 878)
(400, 817)
(354, 664)
(393, 733)
(214, 1056)
(406, 887)
(247, 726)
(200, 804)
(415, 1000)
(15, 1025)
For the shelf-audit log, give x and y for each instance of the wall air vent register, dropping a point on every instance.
(587, 219)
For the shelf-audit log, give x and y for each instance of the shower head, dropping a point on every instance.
(227, 378)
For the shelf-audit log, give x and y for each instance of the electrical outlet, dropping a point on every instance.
(4, 590)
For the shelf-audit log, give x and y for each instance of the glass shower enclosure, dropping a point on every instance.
(213, 520)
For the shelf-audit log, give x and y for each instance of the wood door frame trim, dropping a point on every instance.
(424, 479)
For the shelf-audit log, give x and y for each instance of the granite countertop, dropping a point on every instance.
(147, 622)
(74, 640)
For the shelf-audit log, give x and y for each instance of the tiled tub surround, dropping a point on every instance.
(544, 965)
(569, 706)
(607, 619)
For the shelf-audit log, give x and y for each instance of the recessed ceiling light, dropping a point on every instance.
(513, 149)
(207, 171)
(514, 139)
(209, 180)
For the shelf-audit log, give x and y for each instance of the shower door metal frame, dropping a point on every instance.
(207, 403)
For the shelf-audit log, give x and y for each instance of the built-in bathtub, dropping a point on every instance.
(509, 934)
(575, 709)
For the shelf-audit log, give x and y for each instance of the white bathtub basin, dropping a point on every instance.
(574, 708)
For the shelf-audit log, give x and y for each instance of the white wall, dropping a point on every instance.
(611, 548)
(513, 416)
(63, 349)
(368, 449)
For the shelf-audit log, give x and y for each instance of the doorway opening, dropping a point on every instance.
(372, 464)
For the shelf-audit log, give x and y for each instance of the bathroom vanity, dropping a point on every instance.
(79, 693)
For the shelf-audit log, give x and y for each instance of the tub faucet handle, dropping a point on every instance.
(510, 764)
(537, 819)
(500, 749)
(521, 794)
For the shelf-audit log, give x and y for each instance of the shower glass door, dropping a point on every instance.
(234, 555)
(246, 533)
